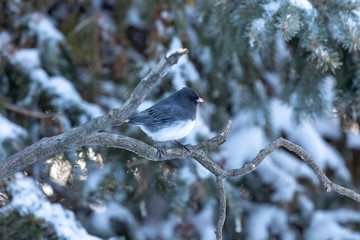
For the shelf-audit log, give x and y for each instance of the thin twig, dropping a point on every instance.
(25, 112)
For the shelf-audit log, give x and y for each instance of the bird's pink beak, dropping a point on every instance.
(199, 100)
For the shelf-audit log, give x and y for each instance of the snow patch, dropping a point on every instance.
(293, 166)
(266, 220)
(5, 43)
(353, 140)
(27, 59)
(204, 223)
(9, 129)
(104, 216)
(284, 184)
(303, 4)
(67, 94)
(60, 86)
(184, 70)
(271, 8)
(28, 198)
(330, 225)
(133, 17)
(44, 28)
(257, 27)
(242, 144)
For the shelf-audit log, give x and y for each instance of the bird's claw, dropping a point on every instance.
(182, 146)
(159, 150)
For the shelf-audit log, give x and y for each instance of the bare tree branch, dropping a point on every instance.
(221, 207)
(26, 112)
(49, 146)
(292, 147)
(88, 135)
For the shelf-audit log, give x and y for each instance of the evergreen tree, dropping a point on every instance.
(276, 68)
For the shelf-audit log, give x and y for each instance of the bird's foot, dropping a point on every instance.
(182, 145)
(159, 150)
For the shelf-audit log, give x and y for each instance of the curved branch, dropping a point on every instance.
(292, 147)
(49, 146)
(52, 145)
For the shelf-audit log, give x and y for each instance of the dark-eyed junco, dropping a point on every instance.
(170, 119)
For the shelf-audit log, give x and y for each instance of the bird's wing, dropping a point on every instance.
(153, 116)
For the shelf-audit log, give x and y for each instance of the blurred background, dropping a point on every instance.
(275, 68)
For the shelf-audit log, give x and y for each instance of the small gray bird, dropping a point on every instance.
(170, 119)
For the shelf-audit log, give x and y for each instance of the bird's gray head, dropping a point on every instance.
(187, 96)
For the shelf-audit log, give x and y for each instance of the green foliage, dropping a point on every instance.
(246, 30)
(348, 32)
(288, 22)
(16, 225)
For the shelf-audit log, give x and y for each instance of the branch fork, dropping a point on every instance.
(89, 134)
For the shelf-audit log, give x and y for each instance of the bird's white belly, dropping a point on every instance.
(173, 132)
